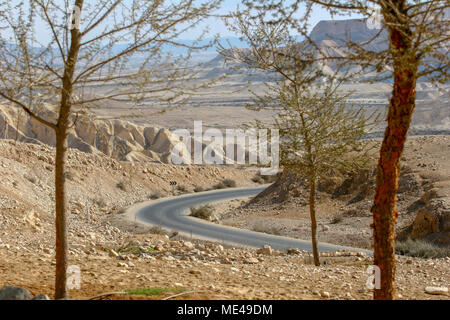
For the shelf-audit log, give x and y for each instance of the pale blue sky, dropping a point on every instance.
(215, 25)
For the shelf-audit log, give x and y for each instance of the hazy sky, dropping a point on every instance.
(215, 25)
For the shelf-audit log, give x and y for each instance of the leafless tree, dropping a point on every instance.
(67, 55)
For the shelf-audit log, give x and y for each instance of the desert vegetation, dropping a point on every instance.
(205, 212)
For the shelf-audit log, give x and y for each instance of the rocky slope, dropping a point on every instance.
(343, 205)
(98, 187)
(114, 256)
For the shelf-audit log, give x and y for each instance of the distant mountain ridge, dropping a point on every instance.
(355, 30)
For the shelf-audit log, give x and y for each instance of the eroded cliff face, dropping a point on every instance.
(118, 139)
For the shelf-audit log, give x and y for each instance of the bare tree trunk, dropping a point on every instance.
(60, 190)
(384, 209)
(61, 224)
(61, 149)
(312, 212)
(19, 111)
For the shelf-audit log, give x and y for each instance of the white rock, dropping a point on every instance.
(267, 250)
(252, 261)
(113, 253)
(188, 245)
(437, 290)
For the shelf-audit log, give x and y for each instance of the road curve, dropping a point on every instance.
(172, 214)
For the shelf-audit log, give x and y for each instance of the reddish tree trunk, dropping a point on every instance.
(384, 210)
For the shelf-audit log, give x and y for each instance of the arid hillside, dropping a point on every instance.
(344, 204)
(114, 256)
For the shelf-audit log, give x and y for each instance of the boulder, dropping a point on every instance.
(14, 293)
(433, 218)
(433, 194)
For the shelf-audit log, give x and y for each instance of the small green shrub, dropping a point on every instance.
(203, 212)
(156, 230)
(270, 178)
(198, 189)
(121, 211)
(101, 203)
(136, 250)
(260, 226)
(421, 249)
(122, 185)
(69, 175)
(155, 196)
(257, 179)
(229, 183)
(220, 185)
(337, 219)
(30, 178)
(151, 291)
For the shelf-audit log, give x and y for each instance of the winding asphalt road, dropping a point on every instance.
(172, 214)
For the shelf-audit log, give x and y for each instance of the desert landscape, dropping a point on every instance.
(115, 255)
(119, 158)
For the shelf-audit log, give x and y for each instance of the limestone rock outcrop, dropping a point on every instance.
(121, 140)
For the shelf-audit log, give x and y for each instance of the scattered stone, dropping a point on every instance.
(41, 297)
(188, 245)
(113, 253)
(266, 250)
(196, 272)
(437, 290)
(251, 260)
(14, 293)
